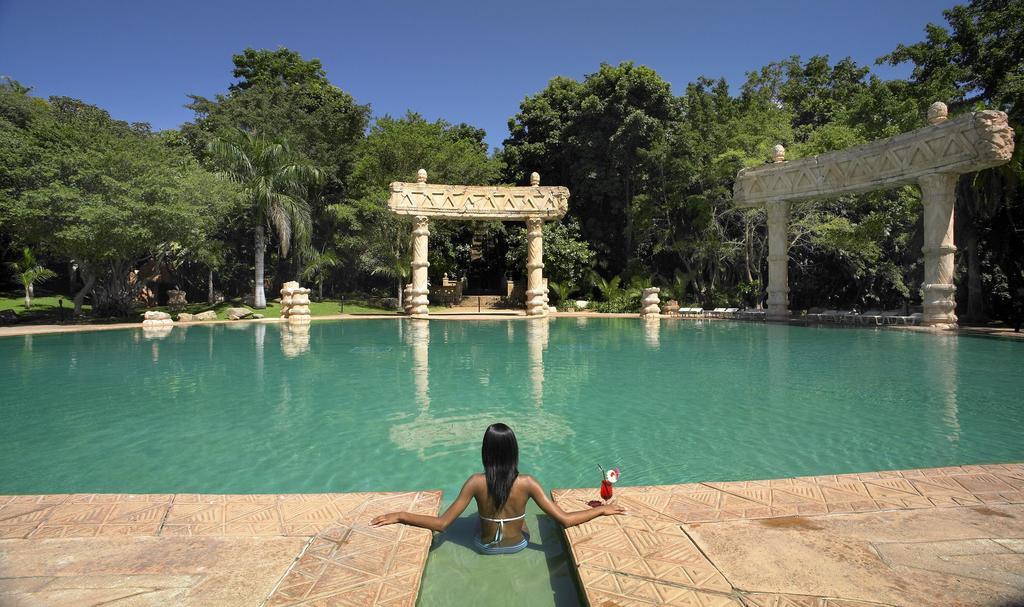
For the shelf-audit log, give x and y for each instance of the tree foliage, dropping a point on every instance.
(103, 193)
(650, 172)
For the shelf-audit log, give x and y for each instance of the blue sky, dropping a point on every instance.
(462, 61)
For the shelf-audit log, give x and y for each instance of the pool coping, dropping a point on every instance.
(970, 331)
(340, 554)
(683, 544)
(688, 544)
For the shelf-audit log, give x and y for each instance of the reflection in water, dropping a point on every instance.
(419, 339)
(27, 344)
(536, 341)
(432, 435)
(261, 338)
(778, 360)
(652, 332)
(157, 332)
(294, 339)
(941, 365)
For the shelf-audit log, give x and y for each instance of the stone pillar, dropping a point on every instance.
(407, 298)
(287, 289)
(778, 260)
(651, 302)
(938, 196)
(535, 267)
(420, 290)
(298, 312)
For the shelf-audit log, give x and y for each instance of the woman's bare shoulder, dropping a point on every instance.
(527, 480)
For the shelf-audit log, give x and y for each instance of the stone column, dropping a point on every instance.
(535, 267)
(419, 291)
(650, 302)
(778, 260)
(299, 312)
(938, 195)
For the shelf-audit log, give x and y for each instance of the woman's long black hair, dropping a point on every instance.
(500, 453)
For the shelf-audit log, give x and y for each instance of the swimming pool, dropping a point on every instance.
(402, 404)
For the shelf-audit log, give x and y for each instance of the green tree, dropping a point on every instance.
(275, 183)
(317, 268)
(976, 62)
(284, 96)
(375, 240)
(568, 259)
(29, 272)
(594, 136)
(101, 193)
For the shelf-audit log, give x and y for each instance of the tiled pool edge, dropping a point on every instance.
(656, 555)
(341, 555)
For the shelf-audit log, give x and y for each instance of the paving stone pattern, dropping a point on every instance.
(344, 562)
(649, 558)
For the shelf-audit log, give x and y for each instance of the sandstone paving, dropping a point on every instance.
(952, 535)
(194, 549)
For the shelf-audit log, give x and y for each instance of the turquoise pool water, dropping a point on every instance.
(400, 404)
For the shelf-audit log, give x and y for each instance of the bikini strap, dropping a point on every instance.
(503, 520)
(501, 526)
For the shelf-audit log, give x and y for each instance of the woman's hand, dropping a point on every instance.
(612, 509)
(387, 519)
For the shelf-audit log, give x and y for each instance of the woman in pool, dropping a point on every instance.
(501, 494)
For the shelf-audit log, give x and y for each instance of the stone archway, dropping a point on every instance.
(533, 204)
(933, 157)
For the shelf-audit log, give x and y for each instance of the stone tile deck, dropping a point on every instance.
(940, 536)
(274, 550)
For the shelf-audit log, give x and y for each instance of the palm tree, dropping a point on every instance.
(29, 272)
(275, 181)
(562, 291)
(610, 289)
(318, 266)
(387, 253)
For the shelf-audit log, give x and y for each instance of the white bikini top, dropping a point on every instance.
(501, 526)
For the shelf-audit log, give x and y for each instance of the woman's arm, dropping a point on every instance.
(568, 519)
(434, 523)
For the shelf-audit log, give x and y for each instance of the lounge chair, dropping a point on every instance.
(870, 317)
(730, 312)
(828, 316)
(891, 317)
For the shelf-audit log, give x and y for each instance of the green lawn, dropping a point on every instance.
(44, 306)
(45, 309)
(328, 307)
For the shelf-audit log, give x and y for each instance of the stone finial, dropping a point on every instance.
(937, 113)
(778, 153)
(421, 176)
(535, 178)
